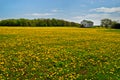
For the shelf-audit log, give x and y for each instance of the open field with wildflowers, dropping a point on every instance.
(59, 54)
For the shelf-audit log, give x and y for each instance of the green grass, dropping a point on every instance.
(113, 30)
(59, 53)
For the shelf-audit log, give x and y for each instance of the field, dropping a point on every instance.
(59, 53)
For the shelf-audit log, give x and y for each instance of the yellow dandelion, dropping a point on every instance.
(33, 69)
(1, 62)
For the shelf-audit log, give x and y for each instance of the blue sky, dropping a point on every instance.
(71, 10)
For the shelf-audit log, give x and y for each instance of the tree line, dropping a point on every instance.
(108, 23)
(37, 22)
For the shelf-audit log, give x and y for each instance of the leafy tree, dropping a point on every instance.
(115, 25)
(107, 23)
(36, 22)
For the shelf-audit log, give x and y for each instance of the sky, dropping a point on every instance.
(70, 10)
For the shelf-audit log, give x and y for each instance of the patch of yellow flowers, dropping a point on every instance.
(59, 54)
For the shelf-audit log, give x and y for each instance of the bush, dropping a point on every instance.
(116, 26)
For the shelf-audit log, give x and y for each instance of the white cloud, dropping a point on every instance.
(56, 10)
(40, 14)
(107, 10)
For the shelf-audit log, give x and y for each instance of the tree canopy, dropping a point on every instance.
(37, 22)
(108, 23)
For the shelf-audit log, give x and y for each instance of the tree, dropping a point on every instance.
(36, 22)
(115, 25)
(107, 23)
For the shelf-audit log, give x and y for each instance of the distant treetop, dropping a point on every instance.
(87, 21)
(37, 22)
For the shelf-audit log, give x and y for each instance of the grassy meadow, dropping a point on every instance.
(59, 53)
